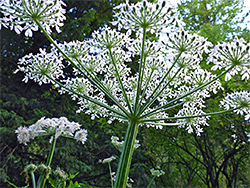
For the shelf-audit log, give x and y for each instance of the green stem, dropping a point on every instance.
(161, 108)
(120, 81)
(33, 179)
(146, 85)
(164, 110)
(51, 153)
(186, 117)
(126, 155)
(148, 102)
(141, 70)
(151, 182)
(110, 172)
(42, 178)
(88, 98)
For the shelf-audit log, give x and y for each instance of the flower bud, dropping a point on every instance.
(30, 168)
(60, 173)
(43, 169)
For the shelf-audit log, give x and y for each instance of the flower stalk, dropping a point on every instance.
(33, 179)
(187, 117)
(126, 155)
(43, 177)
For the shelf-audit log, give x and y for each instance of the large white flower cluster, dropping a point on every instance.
(132, 75)
(54, 127)
(240, 101)
(20, 15)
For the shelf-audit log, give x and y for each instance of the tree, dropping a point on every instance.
(217, 20)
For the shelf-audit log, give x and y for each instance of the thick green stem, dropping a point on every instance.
(126, 156)
(51, 153)
(43, 178)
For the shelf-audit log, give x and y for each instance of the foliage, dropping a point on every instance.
(216, 20)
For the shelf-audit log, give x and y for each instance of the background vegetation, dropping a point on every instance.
(215, 159)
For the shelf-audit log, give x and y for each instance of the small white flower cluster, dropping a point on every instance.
(54, 127)
(144, 15)
(74, 49)
(239, 100)
(21, 15)
(129, 182)
(192, 46)
(228, 54)
(107, 160)
(194, 123)
(77, 85)
(119, 145)
(235, 137)
(109, 38)
(157, 172)
(38, 67)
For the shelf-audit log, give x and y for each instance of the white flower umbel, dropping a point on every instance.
(192, 45)
(240, 101)
(39, 67)
(54, 127)
(192, 123)
(23, 135)
(144, 15)
(22, 15)
(157, 172)
(234, 54)
(81, 135)
(107, 160)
